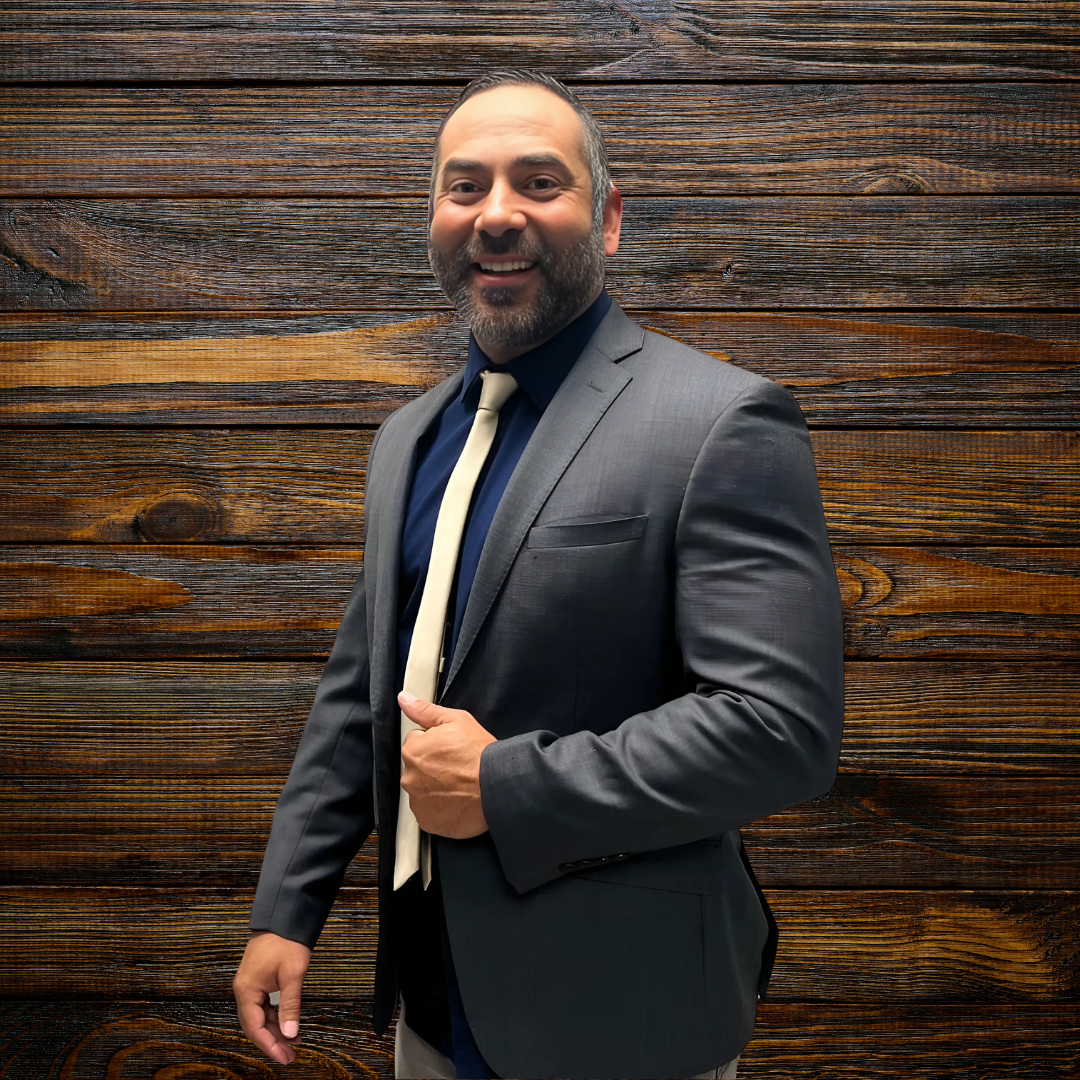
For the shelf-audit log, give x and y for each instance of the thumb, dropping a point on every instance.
(419, 711)
(289, 1005)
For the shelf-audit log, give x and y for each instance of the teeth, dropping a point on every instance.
(504, 267)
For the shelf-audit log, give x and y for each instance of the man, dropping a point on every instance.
(613, 572)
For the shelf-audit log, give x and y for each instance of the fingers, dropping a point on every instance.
(262, 1029)
(424, 713)
(271, 962)
(288, 1011)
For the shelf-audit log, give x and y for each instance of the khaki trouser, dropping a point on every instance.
(416, 1059)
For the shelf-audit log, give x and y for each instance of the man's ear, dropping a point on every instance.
(612, 221)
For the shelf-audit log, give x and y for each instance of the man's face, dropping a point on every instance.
(512, 241)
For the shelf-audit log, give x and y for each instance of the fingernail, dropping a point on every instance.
(289, 1029)
(406, 698)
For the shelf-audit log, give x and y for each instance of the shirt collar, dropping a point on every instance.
(540, 371)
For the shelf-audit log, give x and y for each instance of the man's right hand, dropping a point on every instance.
(271, 963)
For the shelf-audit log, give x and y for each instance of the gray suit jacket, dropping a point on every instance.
(654, 636)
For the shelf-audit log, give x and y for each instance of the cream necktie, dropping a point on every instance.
(425, 652)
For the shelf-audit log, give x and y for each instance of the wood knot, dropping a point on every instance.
(897, 183)
(177, 518)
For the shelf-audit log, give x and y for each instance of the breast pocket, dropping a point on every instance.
(591, 533)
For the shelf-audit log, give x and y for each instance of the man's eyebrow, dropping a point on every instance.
(541, 159)
(461, 165)
(532, 160)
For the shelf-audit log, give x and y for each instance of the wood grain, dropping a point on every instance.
(922, 718)
(693, 40)
(701, 139)
(194, 486)
(188, 601)
(199, 600)
(754, 252)
(899, 832)
(943, 601)
(89, 1040)
(211, 486)
(841, 946)
(875, 368)
(77, 1039)
(898, 1042)
(214, 721)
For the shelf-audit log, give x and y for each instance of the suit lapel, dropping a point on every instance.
(593, 383)
(397, 457)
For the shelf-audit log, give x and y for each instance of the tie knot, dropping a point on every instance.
(495, 390)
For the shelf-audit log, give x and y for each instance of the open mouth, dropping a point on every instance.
(491, 271)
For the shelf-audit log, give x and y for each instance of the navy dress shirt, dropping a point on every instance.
(428, 984)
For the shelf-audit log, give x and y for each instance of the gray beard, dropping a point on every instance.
(567, 280)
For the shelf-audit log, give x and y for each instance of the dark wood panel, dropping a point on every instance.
(924, 832)
(970, 718)
(176, 600)
(161, 369)
(980, 487)
(228, 720)
(77, 1040)
(977, 251)
(894, 831)
(841, 946)
(135, 1040)
(898, 1042)
(699, 139)
(209, 486)
(203, 486)
(366, 39)
(181, 601)
(877, 368)
(940, 601)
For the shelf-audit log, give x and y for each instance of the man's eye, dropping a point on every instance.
(465, 187)
(543, 182)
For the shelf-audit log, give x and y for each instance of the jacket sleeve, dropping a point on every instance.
(327, 808)
(759, 626)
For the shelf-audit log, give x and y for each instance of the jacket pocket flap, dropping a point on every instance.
(587, 533)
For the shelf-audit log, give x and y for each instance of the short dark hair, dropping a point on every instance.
(593, 149)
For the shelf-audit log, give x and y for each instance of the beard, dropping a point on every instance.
(567, 279)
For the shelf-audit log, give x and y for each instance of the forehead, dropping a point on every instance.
(512, 119)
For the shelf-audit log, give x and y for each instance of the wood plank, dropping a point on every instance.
(364, 39)
(716, 252)
(212, 486)
(977, 719)
(202, 486)
(196, 600)
(705, 139)
(877, 368)
(840, 946)
(217, 721)
(91, 1039)
(210, 721)
(948, 832)
(897, 1042)
(184, 601)
(978, 487)
(899, 832)
(790, 1040)
(940, 601)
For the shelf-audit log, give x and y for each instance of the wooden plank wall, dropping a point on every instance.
(213, 286)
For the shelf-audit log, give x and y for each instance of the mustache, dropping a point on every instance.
(510, 243)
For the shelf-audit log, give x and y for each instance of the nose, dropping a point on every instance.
(501, 210)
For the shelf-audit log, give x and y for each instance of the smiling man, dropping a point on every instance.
(597, 631)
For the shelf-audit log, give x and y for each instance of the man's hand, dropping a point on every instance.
(271, 963)
(441, 768)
